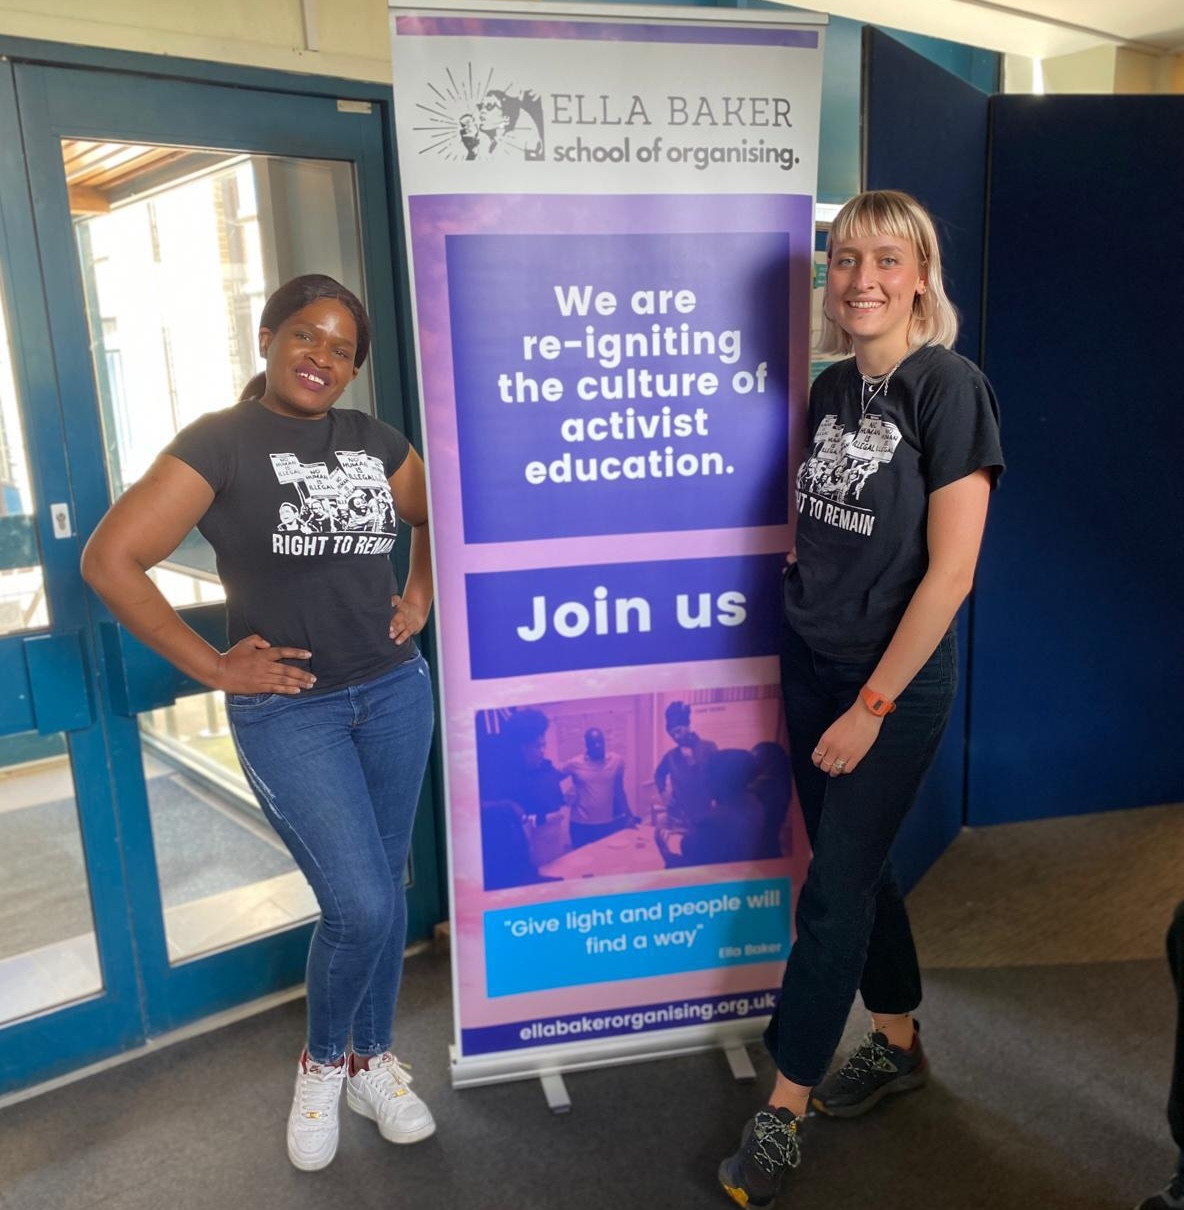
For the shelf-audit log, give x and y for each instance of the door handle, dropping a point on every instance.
(138, 679)
(58, 682)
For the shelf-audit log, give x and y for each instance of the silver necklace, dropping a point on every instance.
(877, 384)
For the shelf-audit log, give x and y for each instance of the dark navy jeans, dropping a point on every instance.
(852, 928)
(1176, 1096)
(338, 776)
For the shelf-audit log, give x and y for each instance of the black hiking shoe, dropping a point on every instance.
(769, 1147)
(1171, 1198)
(875, 1070)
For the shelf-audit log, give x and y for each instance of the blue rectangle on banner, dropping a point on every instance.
(605, 938)
(620, 382)
(566, 1028)
(552, 619)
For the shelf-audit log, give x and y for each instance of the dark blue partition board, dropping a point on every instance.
(839, 169)
(925, 131)
(1079, 614)
(838, 150)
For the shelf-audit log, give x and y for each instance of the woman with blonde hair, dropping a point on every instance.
(902, 453)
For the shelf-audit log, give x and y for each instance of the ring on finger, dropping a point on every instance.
(840, 764)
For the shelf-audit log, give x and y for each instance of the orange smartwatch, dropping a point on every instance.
(877, 703)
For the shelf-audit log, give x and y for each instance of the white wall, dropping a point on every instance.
(346, 38)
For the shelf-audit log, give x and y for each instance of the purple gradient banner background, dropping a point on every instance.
(730, 311)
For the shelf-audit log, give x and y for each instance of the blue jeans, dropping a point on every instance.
(852, 928)
(338, 777)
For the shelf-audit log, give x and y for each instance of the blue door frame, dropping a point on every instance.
(97, 678)
(31, 703)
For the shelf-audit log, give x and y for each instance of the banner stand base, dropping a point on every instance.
(740, 1061)
(550, 1064)
(555, 1090)
(559, 1099)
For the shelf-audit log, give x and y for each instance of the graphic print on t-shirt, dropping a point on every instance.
(348, 510)
(832, 478)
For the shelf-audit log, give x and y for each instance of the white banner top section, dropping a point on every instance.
(624, 100)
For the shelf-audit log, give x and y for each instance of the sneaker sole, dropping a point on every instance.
(738, 1194)
(910, 1083)
(404, 1137)
(312, 1165)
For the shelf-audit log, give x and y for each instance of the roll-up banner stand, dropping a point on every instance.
(611, 228)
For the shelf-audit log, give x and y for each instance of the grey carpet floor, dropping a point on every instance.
(1049, 1081)
(1092, 888)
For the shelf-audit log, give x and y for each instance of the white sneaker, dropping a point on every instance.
(381, 1093)
(313, 1124)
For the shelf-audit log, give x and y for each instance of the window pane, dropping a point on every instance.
(179, 249)
(22, 592)
(48, 955)
(224, 874)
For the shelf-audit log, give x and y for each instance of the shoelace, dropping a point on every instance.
(773, 1145)
(868, 1056)
(392, 1074)
(319, 1090)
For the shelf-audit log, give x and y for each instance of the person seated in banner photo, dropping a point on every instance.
(733, 828)
(773, 786)
(599, 803)
(902, 454)
(505, 848)
(679, 777)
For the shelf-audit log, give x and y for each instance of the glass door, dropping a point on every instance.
(178, 249)
(165, 213)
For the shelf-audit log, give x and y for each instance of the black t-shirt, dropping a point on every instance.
(863, 493)
(303, 524)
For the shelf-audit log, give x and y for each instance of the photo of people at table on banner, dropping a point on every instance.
(632, 785)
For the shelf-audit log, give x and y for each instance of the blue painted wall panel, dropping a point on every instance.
(947, 171)
(838, 153)
(1079, 614)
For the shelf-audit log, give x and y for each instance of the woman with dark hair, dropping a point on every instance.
(903, 454)
(329, 701)
(521, 771)
(679, 777)
(510, 124)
